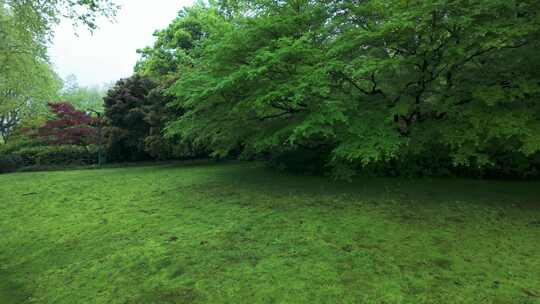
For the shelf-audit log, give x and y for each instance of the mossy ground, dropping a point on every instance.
(240, 233)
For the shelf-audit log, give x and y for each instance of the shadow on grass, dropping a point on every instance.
(11, 293)
(256, 177)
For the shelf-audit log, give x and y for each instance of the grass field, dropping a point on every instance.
(240, 233)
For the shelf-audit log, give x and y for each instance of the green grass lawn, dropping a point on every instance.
(240, 233)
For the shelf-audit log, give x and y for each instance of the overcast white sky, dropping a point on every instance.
(110, 53)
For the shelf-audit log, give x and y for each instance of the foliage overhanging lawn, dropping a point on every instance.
(239, 233)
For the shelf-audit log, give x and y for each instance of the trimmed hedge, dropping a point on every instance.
(58, 155)
(65, 155)
(17, 144)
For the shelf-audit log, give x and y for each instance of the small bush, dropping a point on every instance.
(9, 163)
(28, 155)
(157, 147)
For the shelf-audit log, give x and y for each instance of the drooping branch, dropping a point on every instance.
(374, 90)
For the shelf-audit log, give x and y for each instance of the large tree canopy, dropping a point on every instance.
(361, 82)
(176, 46)
(26, 78)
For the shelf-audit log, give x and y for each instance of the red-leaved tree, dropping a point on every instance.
(68, 127)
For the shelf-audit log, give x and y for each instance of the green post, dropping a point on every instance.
(100, 143)
(100, 138)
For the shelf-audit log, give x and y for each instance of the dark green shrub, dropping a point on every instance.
(9, 163)
(28, 155)
(158, 147)
(514, 165)
(438, 162)
(435, 161)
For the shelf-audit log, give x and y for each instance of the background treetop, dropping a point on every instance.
(40, 16)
